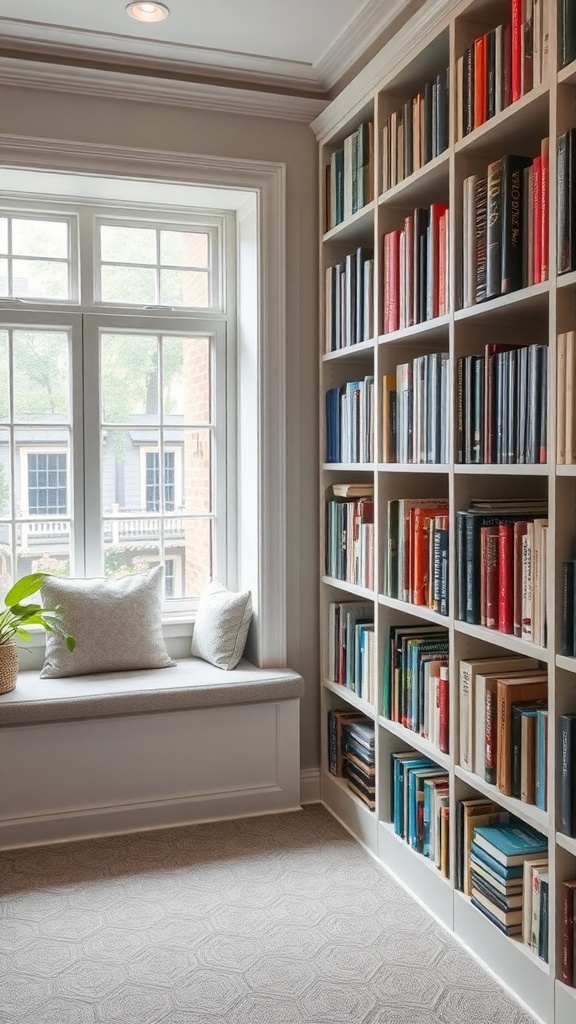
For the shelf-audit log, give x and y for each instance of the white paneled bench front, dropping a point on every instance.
(122, 751)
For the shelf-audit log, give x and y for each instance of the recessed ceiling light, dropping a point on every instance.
(147, 11)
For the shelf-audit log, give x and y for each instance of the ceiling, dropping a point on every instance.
(293, 46)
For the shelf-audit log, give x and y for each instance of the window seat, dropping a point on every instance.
(119, 752)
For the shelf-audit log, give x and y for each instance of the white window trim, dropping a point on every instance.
(265, 575)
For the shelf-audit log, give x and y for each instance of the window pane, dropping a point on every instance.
(184, 248)
(124, 480)
(197, 470)
(197, 556)
(135, 285)
(43, 546)
(128, 245)
(4, 370)
(4, 236)
(3, 277)
(129, 378)
(187, 379)
(41, 376)
(184, 288)
(37, 279)
(40, 238)
(5, 493)
(126, 552)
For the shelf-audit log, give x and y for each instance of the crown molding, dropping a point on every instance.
(31, 74)
(355, 40)
(430, 20)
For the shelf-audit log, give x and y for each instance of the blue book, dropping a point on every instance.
(400, 766)
(513, 929)
(480, 856)
(509, 844)
(416, 778)
(541, 754)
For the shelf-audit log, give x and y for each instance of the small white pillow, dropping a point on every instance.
(221, 626)
(116, 623)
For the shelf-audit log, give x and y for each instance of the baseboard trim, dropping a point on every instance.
(310, 790)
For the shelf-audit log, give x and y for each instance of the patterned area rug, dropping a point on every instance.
(273, 920)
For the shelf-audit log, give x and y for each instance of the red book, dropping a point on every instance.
(419, 550)
(505, 578)
(433, 302)
(480, 81)
(537, 219)
(520, 530)
(444, 709)
(516, 32)
(492, 577)
(391, 281)
(544, 217)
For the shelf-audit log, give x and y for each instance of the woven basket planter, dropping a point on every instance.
(8, 667)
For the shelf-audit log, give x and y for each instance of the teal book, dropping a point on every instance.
(509, 844)
(477, 855)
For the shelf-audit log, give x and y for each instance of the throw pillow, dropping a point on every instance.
(221, 625)
(116, 623)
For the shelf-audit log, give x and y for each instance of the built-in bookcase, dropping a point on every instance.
(526, 316)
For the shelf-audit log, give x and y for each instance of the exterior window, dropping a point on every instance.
(169, 578)
(153, 482)
(47, 484)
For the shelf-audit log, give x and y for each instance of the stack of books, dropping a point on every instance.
(416, 269)
(420, 806)
(338, 721)
(502, 405)
(350, 176)
(501, 548)
(565, 395)
(417, 553)
(501, 66)
(349, 421)
(498, 854)
(470, 814)
(351, 648)
(349, 300)
(350, 534)
(360, 765)
(416, 681)
(415, 411)
(505, 227)
(416, 133)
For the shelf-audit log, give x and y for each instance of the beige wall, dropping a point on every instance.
(52, 115)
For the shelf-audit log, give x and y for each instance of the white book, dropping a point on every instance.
(529, 864)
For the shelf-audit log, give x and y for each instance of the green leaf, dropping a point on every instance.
(23, 634)
(25, 611)
(70, 642)
(24, 587)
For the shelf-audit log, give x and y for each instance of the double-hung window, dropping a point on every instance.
(115, 332)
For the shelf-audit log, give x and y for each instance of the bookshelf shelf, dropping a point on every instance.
(566, 842)
(350, 352)
(504, 640)
(528, 115)
(428, 330)
(413, 739)
(522, 304)
(534, 816)
(420, 186)
(357, 228)
(416, 264)
(350, 697)
(419, 610)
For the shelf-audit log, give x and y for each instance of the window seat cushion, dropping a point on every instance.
(190, 683)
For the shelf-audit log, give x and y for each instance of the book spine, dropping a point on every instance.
(567, 781)
(491, 738)
(480, 81)
(505, 579)
(567, 934)
(516, 43)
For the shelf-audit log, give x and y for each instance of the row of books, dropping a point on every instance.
(351, 752)
(421, 806)
(417, 552)
(416, 691)
(502, 405)
(349, 300)
(509, 881)
(349, 421)
(505, 227)
(501, 66)
(415, 411)
(350, 534)
(351, 649)
(566, 203)
(565, 394)
(567, 914)
(416, 133)
(503, 720)
(501, 557)
(350, 176)
(567, 35)
(416, 269)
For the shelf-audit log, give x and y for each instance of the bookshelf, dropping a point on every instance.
(392, 93)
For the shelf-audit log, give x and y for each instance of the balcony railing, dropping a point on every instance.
(117, 529)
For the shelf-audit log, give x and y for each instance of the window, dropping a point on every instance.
(114, 452)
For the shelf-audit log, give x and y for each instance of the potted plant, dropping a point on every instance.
(15, 619)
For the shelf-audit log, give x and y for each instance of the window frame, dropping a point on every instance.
(14, 210)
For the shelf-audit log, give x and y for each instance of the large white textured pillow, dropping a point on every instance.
(221, 626)
(116, 623)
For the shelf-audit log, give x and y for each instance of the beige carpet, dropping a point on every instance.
(275, 920)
